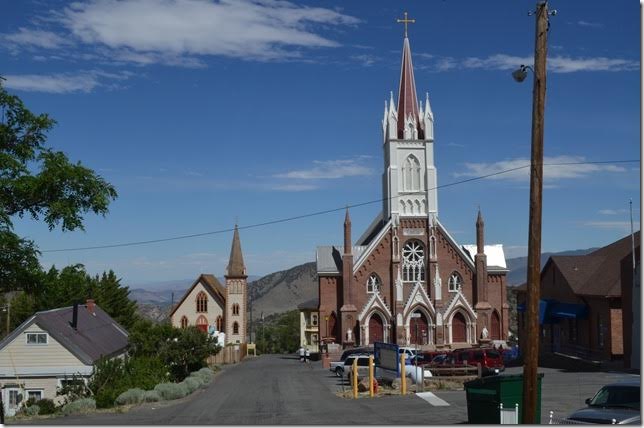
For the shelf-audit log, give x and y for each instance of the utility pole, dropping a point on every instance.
(530, 381)
(8, 317)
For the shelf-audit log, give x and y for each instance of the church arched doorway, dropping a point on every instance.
(376, 329)
(495, 326)
(418, 328)
(202, 323)
(331, 326)
(459, 328)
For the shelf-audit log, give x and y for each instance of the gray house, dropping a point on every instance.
(51, 347)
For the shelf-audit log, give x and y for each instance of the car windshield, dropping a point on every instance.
(492, 354)
(617, 396)
(439, 358)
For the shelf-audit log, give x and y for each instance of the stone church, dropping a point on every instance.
(406, 280)
(214, 308)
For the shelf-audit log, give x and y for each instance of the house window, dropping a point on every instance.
(413, 261)
(373, 284)
(202, 302)
(455, 282)
(36, 338)
(235, 309)
(184, 322)
(34, 394)
(235, 328)
(14, 398)
(314, 320)
(314, 339)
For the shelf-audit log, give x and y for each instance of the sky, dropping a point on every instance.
(205, 113)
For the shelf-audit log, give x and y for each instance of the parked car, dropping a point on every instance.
(337, 367)
(410, 353)
(489, 358)
(363, 350)
(363, 365)
(616, 401)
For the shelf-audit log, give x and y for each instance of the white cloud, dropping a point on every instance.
(28, 37)
(365, 60)
(612, 212)
(555, 168)
(331, 169)
(583, 23)
(173, 31)
(293, 187)
(556, 64)
(62, 83)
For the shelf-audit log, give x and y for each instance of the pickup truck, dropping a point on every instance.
(342, 367)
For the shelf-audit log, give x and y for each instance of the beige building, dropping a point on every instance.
(214, 308)
(310, 325)
(52, 347)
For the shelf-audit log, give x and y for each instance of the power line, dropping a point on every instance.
(318, 213)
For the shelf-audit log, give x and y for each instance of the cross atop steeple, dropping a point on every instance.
(406, 21)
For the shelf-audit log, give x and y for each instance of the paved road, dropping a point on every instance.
(281, 390)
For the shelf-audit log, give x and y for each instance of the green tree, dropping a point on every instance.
(41, 183)
(187, 351)
(114, 299)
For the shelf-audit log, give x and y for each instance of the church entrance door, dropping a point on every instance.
(459, 334)
(418, 328)
(376, 329)
(202, 323)
(496, 326)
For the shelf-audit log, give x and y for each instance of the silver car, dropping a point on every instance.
(616, 403)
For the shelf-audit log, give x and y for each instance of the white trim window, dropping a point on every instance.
(455, 282)
(413, 261)
(35, 394)
(373, 284)
(37, 338)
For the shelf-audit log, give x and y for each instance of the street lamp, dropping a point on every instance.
(520, 74)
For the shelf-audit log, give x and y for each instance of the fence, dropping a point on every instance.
(228, 355)
(454, 371)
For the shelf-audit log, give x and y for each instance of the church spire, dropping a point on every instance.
(236, 267)
(480, 228)
(347, 233)
(407, 96)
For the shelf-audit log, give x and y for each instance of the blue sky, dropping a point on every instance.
(204, 112)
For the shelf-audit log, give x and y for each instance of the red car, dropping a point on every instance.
(490, 359)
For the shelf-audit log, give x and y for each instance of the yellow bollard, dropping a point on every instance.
(371, 376)
(403, 377)
(354, 374)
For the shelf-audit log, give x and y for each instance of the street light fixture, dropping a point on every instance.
(521, 73)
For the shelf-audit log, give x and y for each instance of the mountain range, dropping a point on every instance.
(284, 290)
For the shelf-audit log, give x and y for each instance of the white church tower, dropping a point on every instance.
(409, 180)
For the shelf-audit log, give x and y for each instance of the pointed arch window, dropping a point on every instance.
(432, 247)
(411, 174)
(220, 323)
(235, 327)
(235, 309)
(373, 284)
(184, 321)
(202, 302)
(413, 261)
(455, 282)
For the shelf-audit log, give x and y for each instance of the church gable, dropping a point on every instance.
(459, 301)
(374, 304)
(418, 296)
(200, 305)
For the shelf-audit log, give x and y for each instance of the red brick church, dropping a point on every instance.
(406, 280)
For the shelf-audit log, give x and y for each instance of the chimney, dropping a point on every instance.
(91, 306)
(75, 317)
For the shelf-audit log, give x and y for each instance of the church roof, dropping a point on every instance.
(236, 267)
(329, 258)
(212, 286)
(495, 255)
(407, 97)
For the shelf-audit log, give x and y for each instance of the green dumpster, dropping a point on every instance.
(485, 394)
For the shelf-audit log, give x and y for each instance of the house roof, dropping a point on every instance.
(597, 273)
(97, 335)
(212, 286)
(312, 304)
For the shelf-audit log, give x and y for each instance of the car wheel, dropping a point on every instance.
(338, 371)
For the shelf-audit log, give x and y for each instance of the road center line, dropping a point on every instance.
(432, 399)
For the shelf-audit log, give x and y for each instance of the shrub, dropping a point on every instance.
(47, 406)
(32, 410)
(131, 396)
(192, 384)
(198, 379)
(171, 391)
(83, 405)
(151, 396)
(205, 374)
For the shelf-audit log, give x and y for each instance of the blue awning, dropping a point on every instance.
(554, 311)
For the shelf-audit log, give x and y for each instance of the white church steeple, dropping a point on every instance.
(409, 179)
